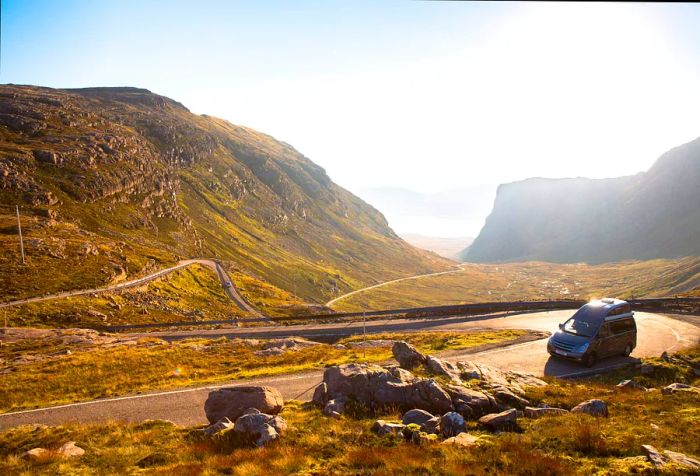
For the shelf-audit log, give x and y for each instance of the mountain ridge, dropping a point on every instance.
(653, 214)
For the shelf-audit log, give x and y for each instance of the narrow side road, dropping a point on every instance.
(230, 291)
(340, 298)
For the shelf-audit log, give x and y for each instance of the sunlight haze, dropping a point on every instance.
(425, 96)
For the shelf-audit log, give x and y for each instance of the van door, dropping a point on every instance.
(624, 332)
(604, 340)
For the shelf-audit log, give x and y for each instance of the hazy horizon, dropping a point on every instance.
(429, 97)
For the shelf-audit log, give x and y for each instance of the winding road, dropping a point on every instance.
(657, 333)
(224, 278)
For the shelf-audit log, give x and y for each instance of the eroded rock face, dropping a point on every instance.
(234, 401)
(471, 403)
(593, 407)
(376, 386)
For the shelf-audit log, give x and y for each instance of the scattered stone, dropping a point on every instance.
(417, 416)
(452, 424)
(36, 454)
(463, 439)
(531, 412)
(407, 355)
(679, 387)
(592, 407)
(630, 385)
(320, 394)
(335, 406)
(382, 427)
(508, 398)
(506, 420)
(219, 427)
(71, 450)
(260, 428)
(232, 402)
(660, 460)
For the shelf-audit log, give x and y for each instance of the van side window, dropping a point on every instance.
(604, 331)
(623, 325)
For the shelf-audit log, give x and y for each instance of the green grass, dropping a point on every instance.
(95, 371)
(315, 444)
(535, 280)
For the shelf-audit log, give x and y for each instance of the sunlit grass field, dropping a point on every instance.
(96, 372)
(535, 280)
(572, 444)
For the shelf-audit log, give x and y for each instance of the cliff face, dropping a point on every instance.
(127, 166)
(655, 214)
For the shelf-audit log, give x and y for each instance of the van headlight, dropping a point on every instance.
(581, 348)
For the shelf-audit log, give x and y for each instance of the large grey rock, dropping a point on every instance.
(443, 367)
(508, 398)
(375, 386)
(407, 355)
(417, 416)
(506, 420)
(531, 412)
(452, 424)
(592, 407)
(260, 428)
(233, 401)
(471, 403)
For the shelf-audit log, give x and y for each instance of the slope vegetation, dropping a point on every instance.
(115, 182)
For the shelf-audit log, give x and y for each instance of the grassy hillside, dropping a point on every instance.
(654, 214)
(112, 182)
(536, 280)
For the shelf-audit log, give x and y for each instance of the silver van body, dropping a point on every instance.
(598, 329)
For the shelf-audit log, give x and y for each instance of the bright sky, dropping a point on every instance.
(424, 96)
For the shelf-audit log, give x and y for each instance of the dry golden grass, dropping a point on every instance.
(535, 280)
(97, 372)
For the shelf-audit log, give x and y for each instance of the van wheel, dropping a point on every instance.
(590, 360)
(627, 351)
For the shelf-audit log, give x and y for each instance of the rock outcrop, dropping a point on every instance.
(232, 402)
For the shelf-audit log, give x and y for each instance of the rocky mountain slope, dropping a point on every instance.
(113, 181)
(655, 214)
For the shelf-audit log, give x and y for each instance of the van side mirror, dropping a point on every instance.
(561, 326)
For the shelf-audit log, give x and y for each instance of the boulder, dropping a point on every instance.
(679, 387)
(452, 424)
(508, 398)
(471, 403)
(443, 367)
(335, 406)
(506, 420)
(660, 460)
(463, 439)
(592, 407)
(407, 355)
(382, 427)
(219, 427)
(531, 412)
(374, 386)
(260, 428)
(417, 416)
(232, 402)
(320, 394)
(71, 450)
(36, 454)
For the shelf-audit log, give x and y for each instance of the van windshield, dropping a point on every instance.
(584, 323)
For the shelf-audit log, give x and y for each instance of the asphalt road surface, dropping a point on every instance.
(656, 333)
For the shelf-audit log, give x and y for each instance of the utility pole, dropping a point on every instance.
(19, 227)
